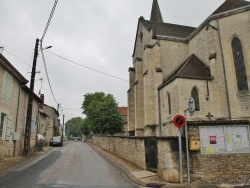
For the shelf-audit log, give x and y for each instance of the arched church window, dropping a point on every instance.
(239, 65)
(169, 103)
(195, 96)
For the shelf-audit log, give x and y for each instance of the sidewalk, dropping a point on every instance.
(9, 164)
(145, 178)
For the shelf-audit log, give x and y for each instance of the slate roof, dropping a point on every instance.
(167, 29)
(230, 5)
(192, 68)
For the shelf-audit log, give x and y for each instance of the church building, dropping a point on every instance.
(210, 64)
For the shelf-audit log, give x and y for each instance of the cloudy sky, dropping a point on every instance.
(92, 43)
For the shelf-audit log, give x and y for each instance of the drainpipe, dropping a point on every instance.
(159, 111)
(224, 70)
(17, 111)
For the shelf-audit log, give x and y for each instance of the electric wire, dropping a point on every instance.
(50, 17)
(95, 69)
(47, 74)
(41, 42)
(16, 57)
(64, 108)
(86, 66)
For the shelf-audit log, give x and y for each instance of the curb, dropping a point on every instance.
(129, 175)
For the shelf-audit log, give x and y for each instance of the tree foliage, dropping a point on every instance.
(73, 127)
(102, 114)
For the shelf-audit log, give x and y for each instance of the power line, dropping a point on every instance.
(41, 42)
(46, 70)
(64, 108)
(16, 57)
(87, 67)
(50, 17)
(95, 69)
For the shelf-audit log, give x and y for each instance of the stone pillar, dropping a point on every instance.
(131, 103)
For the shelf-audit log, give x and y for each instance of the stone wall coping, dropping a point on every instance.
(216, 122)
(142, 137)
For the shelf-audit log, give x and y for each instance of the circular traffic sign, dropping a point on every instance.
(179, 121)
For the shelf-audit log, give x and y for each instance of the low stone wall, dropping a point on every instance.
(131, 149)
(204, 168)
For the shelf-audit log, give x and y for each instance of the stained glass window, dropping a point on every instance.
(195, 96)
(239, 65)
(169, 103)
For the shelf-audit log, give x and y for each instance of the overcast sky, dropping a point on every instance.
(97, 34)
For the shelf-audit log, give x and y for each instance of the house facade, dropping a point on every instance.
(11, 116)
(14, 96)
(210, 64)
(52, 122)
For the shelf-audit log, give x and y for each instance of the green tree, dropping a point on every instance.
(73, 127)
(85, 127)
(101, 111)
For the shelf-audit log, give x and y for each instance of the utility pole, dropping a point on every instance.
(30, 104)
(63, 129)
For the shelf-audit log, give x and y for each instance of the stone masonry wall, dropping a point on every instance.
(131, 149)
(218, 168)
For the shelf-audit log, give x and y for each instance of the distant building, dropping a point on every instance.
(124, 113)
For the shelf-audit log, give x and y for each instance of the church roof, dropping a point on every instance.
(191, 68)
(167, 29)
(230, 5)
(156, 12)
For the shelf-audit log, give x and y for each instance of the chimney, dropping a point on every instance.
(41, 104)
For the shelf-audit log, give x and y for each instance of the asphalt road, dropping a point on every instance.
(74, 165)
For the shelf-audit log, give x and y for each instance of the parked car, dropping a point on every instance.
(40, 140)
(56, 141)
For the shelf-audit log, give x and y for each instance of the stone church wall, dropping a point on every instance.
(172, 55)
(209, 40)
(236, 26)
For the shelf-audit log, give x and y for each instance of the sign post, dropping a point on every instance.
(190, 109)
(179, 121)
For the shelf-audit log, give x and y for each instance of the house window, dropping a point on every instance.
(1, 124)
(195, 96)
(7, 87)
(239, 65)
(169, 103)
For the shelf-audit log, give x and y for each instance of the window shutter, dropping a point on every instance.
(8, 129)
(33, 124)
(6, 90)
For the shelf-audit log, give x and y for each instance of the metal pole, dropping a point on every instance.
(180, 154)
(63, 128)
(187, 150)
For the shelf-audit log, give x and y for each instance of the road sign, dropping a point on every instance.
(191, 106)
(179, 121)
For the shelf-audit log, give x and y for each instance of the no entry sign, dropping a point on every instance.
(179, 121)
